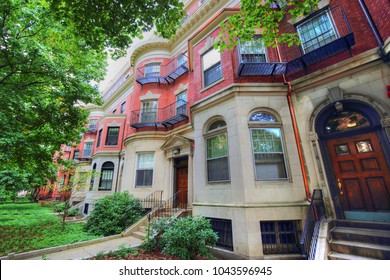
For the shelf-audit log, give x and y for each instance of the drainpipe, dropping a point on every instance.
(374, 30)
(119, 156)
(296, 133)
(371, 22)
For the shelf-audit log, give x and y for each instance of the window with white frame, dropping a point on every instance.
(217, 152)
(212, 68)
(181, 103)
(253, 51)
(152, 70)
(144, 172)
(267, 147)
(149, 111)
(87, 152)
(317, 31)
(106, 176)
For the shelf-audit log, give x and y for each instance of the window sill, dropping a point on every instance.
(143, 187)
(104, 190)
(211, 85)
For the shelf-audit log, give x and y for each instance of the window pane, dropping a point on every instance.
(152, 70)
(262, 117)
(268, 154)
(182, 60)
(87, 149)
(211, 58)
(253, 51)
(144, 177)
(99, 137)
(217, 124)
(217, 146)
(267, 140)
(212, 74)
(218, 169)
(145, 161)
(106, 179)
(112, 136)
(316, 32)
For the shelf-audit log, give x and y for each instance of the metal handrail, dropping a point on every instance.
(167, 208)
(152, 201)
(315, 214)
(156, 115)
(165, 69)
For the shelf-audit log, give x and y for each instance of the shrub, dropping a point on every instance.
(185, 238)
(73, 212)
(114, 213)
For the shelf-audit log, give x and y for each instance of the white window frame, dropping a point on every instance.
(210, 135)
(320, 44)
(211, 66)
(138, 168)
(259, 125)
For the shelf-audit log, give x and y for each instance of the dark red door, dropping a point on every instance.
(182, 184)
(361, 173)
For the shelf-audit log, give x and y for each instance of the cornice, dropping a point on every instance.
(194, 22)
(122, 88)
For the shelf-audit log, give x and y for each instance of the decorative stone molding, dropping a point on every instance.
(149, 96)
(313, 137)
(321, 4)
(180, 89)
(113, 123)
(209, 44)
(385, 122)
(335, 94)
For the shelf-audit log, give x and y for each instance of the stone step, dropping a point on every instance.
(338, 256)
(381, 252)
(373, 236)
(139, 234)
(363, 224)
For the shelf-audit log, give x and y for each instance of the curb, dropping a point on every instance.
(35, 253)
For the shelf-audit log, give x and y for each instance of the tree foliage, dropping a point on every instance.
(265, 15)
(112, 214)
(45, 74)
(114, 24)
(186, 238)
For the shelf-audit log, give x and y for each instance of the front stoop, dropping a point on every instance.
(358, 240)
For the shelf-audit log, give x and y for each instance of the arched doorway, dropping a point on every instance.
(356, 153)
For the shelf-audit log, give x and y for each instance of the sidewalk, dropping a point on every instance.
(92, 250)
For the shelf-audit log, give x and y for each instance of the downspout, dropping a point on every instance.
(296, 133)
(374, 30)
(119, 156)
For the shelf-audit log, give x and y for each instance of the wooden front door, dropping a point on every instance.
(182, 184)
(361, 173)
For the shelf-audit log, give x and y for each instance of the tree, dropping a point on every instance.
(265, 15)
(50, 52)
(45, 75)
(113, 24)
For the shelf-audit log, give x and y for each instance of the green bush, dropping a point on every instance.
(114, 213)
(185, 238)
(73, 212)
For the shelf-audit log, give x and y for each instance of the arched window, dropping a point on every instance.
(217, 152)
(106, 176)
(267, 147)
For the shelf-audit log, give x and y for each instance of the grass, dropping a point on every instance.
(26, 227)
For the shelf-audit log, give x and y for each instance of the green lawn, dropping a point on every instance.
(26, 227)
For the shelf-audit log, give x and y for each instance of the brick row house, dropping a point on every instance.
(245, 136)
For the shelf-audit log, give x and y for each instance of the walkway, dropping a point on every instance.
(92, 250)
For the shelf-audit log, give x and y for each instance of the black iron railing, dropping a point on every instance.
(152, 201)
(168, 207)
(310, 233)
(267, 62)
(160, 117)
(167, 74)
